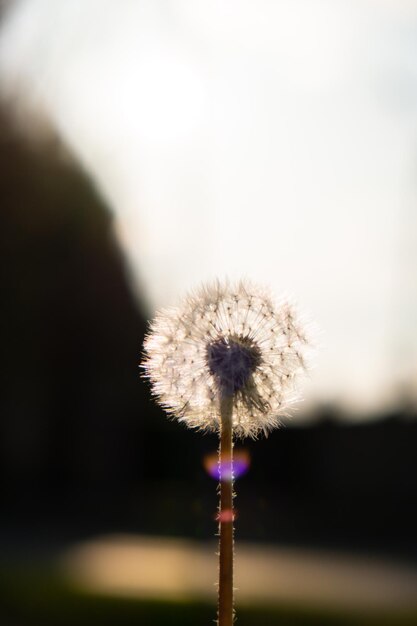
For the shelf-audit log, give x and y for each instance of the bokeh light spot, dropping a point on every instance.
(228, 515)
(241, 464)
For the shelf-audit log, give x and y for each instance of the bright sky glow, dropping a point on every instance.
(274, 140)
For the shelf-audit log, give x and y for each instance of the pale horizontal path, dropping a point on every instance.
(149, 567)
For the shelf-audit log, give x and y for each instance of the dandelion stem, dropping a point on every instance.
(225, 606)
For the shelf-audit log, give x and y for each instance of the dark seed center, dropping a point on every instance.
(232, 361)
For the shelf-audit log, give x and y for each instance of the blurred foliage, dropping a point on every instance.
(70, 329)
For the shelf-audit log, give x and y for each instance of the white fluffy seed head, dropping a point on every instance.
(226, 339)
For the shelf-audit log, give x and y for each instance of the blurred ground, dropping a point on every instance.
(150, 567)
(142, 580)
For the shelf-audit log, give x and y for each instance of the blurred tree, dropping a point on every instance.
(70, 331)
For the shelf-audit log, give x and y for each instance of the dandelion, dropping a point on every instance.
(226, 341)
(227, 359)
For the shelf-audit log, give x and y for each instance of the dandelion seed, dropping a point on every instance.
(227, 341)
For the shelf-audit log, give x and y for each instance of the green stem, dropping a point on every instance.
(225, 607)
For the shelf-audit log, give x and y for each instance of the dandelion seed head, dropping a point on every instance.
(227, 340)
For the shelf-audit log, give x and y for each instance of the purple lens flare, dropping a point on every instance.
(241, 464)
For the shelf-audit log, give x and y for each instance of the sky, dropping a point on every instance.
(274, 140)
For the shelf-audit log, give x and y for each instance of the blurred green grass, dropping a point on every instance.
(40, 596)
